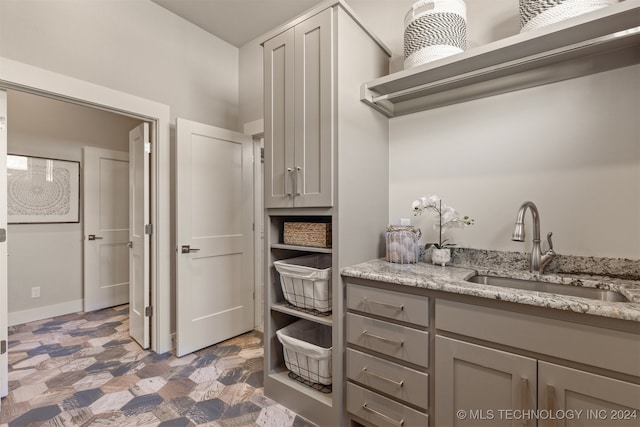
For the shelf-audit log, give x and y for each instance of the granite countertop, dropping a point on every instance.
(452, 279)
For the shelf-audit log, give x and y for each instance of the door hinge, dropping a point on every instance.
(148, 311)
(147, 148)
(3, 347)
(3, 234)
(148, 229)
(3, 122)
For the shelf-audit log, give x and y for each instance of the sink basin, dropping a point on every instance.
(552, 288)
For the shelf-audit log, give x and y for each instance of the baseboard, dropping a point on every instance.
(33, 314)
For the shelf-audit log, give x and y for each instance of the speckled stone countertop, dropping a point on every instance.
(451, 278)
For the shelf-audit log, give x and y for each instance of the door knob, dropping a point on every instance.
(188, 249)
(94, 237)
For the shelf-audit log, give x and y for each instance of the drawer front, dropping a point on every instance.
(395, 380)
(589, 344)
(396, 341)
(380, 411)
(389, 304)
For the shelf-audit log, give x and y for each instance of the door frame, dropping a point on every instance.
(255, 129)
(38, 81)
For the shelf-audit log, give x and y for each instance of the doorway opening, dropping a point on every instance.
(33, 80)
(88, 274)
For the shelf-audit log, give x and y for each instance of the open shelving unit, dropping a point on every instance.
(281, 313)
(602, 40)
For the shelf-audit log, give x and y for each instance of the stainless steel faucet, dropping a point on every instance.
(538, 260)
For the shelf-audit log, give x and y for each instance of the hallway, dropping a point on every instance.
(83, 369)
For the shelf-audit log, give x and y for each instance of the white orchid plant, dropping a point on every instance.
(446, 218)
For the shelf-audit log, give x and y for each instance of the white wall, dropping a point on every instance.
(50, 255)
(135, 47)
(572, 147)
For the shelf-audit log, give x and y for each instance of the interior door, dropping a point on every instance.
(139, 233)
(214, 220)
(106, 228)
(4, 385)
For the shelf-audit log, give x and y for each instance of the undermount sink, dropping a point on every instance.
(552, 288)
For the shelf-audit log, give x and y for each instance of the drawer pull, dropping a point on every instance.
(378, 337)
(384, 304)
(381, 415)
(373, 374)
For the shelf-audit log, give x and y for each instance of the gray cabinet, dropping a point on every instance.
(486, 384)
(320, 142)
(474, 383)
(387, 357)
(298, 115)
(595, 400)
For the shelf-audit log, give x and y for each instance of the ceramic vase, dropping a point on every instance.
(440, 256)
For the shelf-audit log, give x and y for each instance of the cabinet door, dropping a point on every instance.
(279, 121)
(313, 167)
(585, 399)
(475, 385)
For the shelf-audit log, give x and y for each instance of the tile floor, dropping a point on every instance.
(83, 369)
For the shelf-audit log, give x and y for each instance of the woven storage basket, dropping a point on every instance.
(316, 234)
(402, 244)
(434, 29)
(306, 281)
(539, 13)
(307, 350)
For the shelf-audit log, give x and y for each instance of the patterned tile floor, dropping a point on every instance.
(83, 369)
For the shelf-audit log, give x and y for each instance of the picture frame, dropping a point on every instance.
(42, 190)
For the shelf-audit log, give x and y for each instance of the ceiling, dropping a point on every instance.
(237, 21)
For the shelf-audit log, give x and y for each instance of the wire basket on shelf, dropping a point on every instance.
(307, 353)
(306, 282)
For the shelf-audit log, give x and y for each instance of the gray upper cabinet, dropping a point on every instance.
(298, 115)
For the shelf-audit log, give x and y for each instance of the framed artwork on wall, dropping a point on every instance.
(41, 190)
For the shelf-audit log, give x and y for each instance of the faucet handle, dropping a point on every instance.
(549, 240)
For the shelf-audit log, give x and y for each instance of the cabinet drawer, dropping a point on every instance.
(389, 304)
(381, 411)
(390, 378)
(394, 340)
(588, 344)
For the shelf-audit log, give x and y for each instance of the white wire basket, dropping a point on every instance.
(307, 350)
(540, 13)
(306, 282)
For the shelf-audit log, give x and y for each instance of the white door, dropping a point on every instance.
(4, 361)
(139, 151)
(214, 237)
(106, 228)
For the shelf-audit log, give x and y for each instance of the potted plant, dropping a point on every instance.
(446, 218)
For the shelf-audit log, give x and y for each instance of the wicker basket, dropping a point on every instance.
(540, 13)
(315, 234)
(434, 29)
